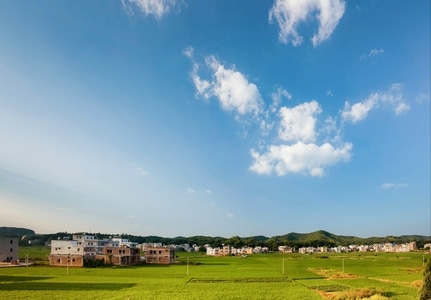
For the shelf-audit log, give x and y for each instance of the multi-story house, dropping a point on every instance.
(160, 255)
(66, 252)
(120, 255)
(84, 248)
(8, 250)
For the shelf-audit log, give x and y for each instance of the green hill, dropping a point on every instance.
(15, 231)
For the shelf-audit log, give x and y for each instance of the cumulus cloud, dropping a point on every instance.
(393, 98)
(292, 138)
(231, 87)
(299, 150)
(298, 123)
(158, 8)
(359, 111)
(290, 13)
(299, 158)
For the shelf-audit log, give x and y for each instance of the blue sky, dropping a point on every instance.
(222, 118)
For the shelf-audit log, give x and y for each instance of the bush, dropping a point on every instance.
(425, 292)
(95, 264)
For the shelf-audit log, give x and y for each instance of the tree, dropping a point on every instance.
(235, 242)
(425, 292)
(250, 242)
(272, 244)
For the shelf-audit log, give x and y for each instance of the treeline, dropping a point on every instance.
(15, 231)
(318, 238)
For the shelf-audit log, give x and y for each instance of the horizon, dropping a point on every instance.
(179, 117)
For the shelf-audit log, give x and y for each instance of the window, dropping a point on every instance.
(11, 241)
(11, 249)
(58, 260)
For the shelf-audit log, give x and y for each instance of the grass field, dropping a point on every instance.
(264, 276)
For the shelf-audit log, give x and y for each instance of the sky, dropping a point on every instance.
(217, 117)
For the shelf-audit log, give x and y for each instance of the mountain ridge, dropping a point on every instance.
(294, 239)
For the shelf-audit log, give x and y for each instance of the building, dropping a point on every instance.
(285, 249)
(160, 255)
(66, 253)
(225, 250)
(213, 251)
(9, 250)
(84, 248)
(120, 255)
(412, 246)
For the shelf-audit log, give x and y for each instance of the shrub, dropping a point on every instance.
(95, 264)
(425, 292)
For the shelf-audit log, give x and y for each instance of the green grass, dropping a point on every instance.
(36, 254)
(254, 277)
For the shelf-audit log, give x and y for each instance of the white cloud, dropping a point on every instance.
(393, 98)
(277, 96)
(298, 123)
(401, 107)
(141, 171)
(290, 13)
(372, 53)
(191, 191)
(359, 111)
(299, 158)
(189, 51)
(158, 8)
(330, 130)
(393, 185)
(230, 215)
(232, 88)
(292, 139)
(203, 87)
(423, 98)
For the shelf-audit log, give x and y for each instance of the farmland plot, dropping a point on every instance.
(266, 276)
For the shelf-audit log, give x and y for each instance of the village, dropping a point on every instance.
(82, 249)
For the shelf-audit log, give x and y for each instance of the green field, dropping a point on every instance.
(394, 276)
